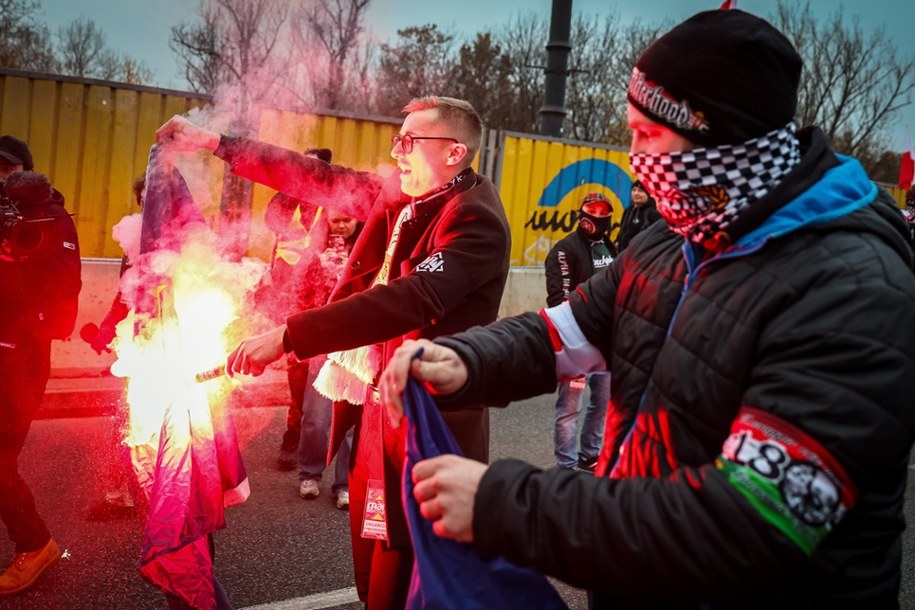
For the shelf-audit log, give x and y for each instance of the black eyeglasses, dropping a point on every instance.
(406, 141)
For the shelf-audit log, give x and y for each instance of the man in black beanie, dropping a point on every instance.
(641, 213)
(762, 349)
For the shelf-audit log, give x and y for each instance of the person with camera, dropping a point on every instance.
(40, 276)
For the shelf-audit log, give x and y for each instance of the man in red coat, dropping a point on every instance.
(432, 260)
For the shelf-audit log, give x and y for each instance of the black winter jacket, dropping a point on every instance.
(761, 422)
(568, 264)
(39, 265)
(636, 218)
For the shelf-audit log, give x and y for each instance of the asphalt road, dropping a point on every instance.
(279, 552)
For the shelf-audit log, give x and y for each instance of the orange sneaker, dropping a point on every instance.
(27, 567)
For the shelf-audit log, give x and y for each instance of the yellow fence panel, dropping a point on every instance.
(542, 183)
(898, 194)
(92, 138)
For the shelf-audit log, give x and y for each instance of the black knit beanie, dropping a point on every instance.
(720, 77)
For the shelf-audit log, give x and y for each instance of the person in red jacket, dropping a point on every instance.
(432, 259)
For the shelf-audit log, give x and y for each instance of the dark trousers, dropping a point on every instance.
(297, 374)
(24, 373)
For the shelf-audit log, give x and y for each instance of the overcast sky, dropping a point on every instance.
(140, 28)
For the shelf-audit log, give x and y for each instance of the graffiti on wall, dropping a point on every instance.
(556, 211)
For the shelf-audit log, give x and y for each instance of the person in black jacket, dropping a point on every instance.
(40, 279)
(762, 346)
(570, 262)
(640, 214)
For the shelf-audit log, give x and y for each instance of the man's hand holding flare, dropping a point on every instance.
(253, 354)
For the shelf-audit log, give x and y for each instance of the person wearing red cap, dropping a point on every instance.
(570, 262)
(40, 276)
(762, 349)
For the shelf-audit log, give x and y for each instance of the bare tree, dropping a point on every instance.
(523, 40)
(25, 44)
(133, 71)
(852, 84)
(336, 28)
(234, 44)
(420, 64)
(199, 50)
(602, 57)
(82, 51)
(601, 60)
(233, 54)
(81, 48)
(482, 77)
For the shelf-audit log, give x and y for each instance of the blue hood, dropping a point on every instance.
(842, 190)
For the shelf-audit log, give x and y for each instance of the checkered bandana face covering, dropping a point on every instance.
(701, 192)
(909, 211)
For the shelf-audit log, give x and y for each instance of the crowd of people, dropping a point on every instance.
(747, 341)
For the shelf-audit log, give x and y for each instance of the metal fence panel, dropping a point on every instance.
(542, 183)
(92, 138)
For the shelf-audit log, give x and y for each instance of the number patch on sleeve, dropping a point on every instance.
(788, 477)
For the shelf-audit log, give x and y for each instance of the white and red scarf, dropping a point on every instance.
(701, 192)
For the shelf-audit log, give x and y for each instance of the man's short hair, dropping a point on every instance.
(458, 114)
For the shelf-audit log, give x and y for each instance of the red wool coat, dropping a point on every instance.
(447, 274)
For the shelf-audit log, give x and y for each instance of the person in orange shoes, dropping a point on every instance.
(40, 276)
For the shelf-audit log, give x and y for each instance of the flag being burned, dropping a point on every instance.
(183, 297)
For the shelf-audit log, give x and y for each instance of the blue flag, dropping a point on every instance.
(450, 575)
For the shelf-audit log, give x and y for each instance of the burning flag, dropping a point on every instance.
(183, 298)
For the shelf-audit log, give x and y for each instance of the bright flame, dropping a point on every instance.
(197, 298)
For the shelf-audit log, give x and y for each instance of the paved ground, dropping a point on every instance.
(278, 551)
